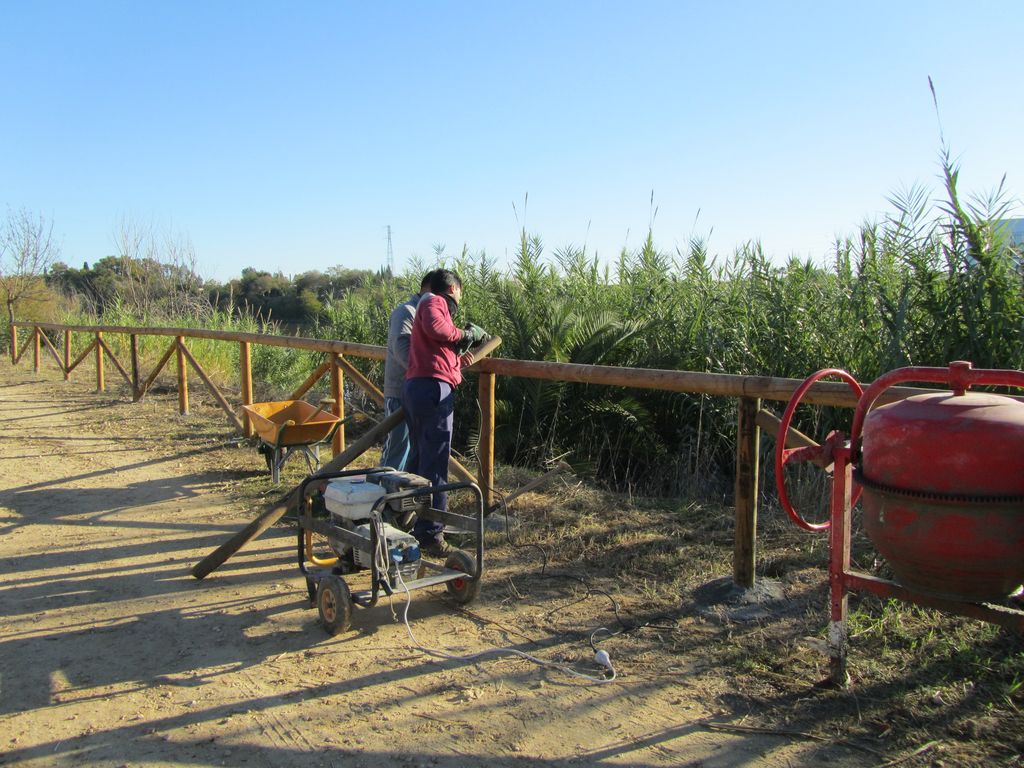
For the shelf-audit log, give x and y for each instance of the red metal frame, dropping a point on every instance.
(842, 454)
(843, 580)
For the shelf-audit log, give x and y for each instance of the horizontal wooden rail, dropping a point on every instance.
(693, 382)
(749, 391)
(293, 342)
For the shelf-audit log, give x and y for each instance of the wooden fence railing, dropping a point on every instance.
(749, 390)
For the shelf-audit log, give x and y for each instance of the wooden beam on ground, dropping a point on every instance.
(537, 482)
(225, 406)
(291, 500)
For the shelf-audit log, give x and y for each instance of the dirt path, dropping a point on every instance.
(112, 655)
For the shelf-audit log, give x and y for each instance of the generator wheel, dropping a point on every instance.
(334, 604)
(462, 590)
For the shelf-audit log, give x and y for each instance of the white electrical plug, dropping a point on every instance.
(602, 658)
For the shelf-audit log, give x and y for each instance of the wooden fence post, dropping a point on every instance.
(245, 371)
(101, 383)
(67, 354)
(338, 393)
(135, 367)
(182, 377)
(35, 349)
(14, 344)
(748, 438)
(485, 446)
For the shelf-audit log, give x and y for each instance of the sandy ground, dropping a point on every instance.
(111, 654)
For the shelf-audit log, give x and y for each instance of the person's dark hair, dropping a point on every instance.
(442, 280)
(425, 282)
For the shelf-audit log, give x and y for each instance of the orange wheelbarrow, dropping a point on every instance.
(287, 427)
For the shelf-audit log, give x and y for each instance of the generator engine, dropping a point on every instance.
(350, 503)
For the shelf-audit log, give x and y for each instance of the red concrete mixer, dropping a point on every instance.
(942, 475)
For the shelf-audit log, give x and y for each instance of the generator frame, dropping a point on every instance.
(437, 573)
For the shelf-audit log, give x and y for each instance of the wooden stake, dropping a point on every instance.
(182, 377)
(747, 457)
(67, 354)
(338, 393)
(101, 383)
(245, 366)
(485, 446)
(135, 366)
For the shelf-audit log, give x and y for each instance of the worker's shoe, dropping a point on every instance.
(437, 548)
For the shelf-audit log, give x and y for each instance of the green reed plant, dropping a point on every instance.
(928, 283)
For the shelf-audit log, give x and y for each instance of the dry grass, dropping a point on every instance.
(586, 559)
(917, 676)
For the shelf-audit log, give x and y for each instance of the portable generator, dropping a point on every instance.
(365, 517)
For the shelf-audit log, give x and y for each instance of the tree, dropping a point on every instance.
(26, 250)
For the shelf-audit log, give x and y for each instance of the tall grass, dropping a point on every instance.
(929, 283)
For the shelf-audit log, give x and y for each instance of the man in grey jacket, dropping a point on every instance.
(395, 453)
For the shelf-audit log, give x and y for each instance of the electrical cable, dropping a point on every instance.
(625, 628)
(600, 657)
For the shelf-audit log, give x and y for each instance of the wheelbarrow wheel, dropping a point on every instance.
(268, 455)
(463, 590)
(334, 604)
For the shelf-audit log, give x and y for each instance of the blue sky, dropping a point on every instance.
(289, 136)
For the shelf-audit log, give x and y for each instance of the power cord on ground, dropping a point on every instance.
(601, 657)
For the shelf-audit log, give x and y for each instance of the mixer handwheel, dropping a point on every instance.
(784, 455)
(334, 604)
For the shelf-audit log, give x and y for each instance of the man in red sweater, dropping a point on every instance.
(428, 394)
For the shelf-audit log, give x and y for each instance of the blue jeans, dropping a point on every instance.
(429, 406)
(395, 453)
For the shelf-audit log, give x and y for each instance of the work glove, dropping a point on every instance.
(475, 334)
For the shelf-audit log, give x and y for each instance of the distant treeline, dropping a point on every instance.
(155, 287)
